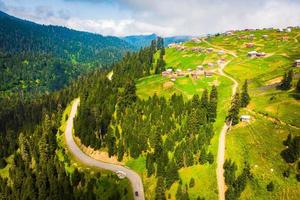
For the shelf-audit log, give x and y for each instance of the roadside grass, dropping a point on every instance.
(138, 165)
(4, 172)
(259, 143)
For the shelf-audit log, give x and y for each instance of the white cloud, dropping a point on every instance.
(165, 17)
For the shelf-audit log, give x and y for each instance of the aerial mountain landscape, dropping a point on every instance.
(99, 103)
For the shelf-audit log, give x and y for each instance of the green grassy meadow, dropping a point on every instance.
(259, 142)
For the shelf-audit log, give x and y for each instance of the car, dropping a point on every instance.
(136, 193)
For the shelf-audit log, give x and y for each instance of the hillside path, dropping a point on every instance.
(221, 146)
(134, 178)
(220, 48)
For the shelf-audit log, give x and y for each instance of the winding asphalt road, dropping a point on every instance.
(134, 178)
(221, 147)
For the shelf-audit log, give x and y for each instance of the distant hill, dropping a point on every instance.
(145, 40)
(18, 35)
(36, 57)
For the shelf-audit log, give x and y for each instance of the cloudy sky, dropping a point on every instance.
(164, 17)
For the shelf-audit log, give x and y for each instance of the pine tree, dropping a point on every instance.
(160, 189)
(286, 82)
(171, 174)
(213, 102)
(203, 157)
(192, 183)
(270, 186)
(210, 158)
(245, 98)
(298, 86)
(204, 100)
(120, 150)
(233, 114)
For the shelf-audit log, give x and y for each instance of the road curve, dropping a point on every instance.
(221, 147)
(133, 177)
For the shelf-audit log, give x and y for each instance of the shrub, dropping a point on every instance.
(192, 182)
(3, 163)
(286, 173)
(270, 187)
(298, 177)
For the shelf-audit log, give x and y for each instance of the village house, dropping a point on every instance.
(249, 45)
(221, 52)
(245, 118)
(297, 63)
(196, 73)
(210, 64)
(261, 54)
(209, 50)
(208, 73)
(180, 73)
(167, 72)
(200, 67)
(253, 54)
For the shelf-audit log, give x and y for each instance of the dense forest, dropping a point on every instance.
(112, 116)
(37, 58)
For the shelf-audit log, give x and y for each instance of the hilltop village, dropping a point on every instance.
(208, 69)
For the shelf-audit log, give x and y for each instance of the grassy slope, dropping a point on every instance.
(260, 143)
(204, 175)
(259, 72)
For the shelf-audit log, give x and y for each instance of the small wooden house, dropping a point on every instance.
(200, 67)
(245, 118)
(208, 73)
(297, 63)
(209, 50)
(249, 45)
(261, 54)
(252, 54)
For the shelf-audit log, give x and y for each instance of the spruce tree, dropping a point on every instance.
(286, 82)
(233, 114)
(245, 98)
(204, 100)
(213, 102)
(298, 86)
(160, 189)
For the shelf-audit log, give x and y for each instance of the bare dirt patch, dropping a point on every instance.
(274, 81)
(168, 85)
(97, 154)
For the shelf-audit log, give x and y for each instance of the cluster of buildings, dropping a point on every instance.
(199, 71)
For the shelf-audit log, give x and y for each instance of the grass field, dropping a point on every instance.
(260, 143)
(162, 86)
